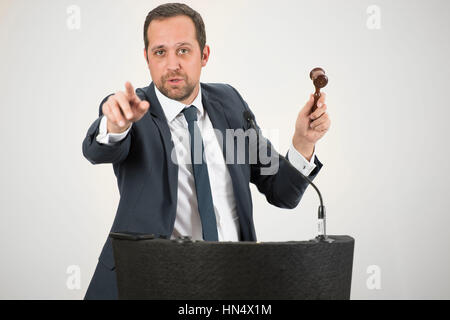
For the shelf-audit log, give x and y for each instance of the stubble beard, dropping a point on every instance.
(178, 93)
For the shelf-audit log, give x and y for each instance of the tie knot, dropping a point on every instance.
(190, 114)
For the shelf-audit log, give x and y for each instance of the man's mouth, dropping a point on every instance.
(175, 80)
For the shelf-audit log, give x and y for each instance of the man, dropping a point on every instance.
(141, 133)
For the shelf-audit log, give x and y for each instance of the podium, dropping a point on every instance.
(150, 267)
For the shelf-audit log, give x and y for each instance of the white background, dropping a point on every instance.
(386, 167)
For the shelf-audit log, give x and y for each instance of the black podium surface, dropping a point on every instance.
(155, 268)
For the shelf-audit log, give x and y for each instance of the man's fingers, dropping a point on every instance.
(129, 89)
(323, 119)
(142, 107)
(309, 104)
(124, 105)
(107, 111)
(131, 93)
(323, 127)
(116, 111)
(121, 110)
(321, 100)
(319, 112)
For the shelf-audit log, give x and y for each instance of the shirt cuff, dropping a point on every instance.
(109, 138)
(299, 161)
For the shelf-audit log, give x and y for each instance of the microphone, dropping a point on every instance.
(322, 236)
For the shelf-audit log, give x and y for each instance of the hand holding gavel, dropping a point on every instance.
(313, 121)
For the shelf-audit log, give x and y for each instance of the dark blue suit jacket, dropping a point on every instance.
(148, 179)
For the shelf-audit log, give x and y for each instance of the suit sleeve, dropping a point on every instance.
(281, 183)
(98, 153)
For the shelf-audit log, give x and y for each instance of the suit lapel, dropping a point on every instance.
(221, 122)
(156, 114)
(216, 114)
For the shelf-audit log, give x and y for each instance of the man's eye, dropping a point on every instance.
(159, 52)
(183, 51)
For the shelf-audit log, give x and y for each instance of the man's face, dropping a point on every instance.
(174, 58)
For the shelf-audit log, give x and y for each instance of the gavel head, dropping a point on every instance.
(319, 78)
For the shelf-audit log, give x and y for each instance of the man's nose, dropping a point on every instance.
(173, 62)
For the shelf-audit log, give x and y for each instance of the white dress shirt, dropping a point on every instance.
(187, 222)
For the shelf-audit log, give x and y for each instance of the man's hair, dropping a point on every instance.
(169, 10)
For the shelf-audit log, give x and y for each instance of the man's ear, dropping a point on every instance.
(145, 55)
(205, 55)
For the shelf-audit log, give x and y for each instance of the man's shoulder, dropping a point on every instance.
(220, 91)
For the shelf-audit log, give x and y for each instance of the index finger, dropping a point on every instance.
(130, 91)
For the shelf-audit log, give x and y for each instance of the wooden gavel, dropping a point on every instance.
(320, 80)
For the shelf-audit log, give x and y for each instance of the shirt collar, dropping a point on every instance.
(173, 108)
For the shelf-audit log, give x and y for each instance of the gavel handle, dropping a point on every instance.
(317, 96)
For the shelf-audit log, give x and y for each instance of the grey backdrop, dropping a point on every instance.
(386, 156)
